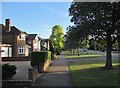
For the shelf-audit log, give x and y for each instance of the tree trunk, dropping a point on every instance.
(108, 64)
(73, 51)
(119, 41)
(78, 49)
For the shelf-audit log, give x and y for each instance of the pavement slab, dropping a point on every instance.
(57, 74)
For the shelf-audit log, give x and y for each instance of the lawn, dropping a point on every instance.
(88, 74)
(84, 56)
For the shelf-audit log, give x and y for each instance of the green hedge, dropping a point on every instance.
(39, 57)
(8, 71)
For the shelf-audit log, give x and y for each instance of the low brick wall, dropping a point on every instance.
(44, 66)
(16, 83)
(33, 74)
(16, 59)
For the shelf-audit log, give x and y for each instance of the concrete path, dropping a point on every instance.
(57, 74)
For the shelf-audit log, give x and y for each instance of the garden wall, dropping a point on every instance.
(15, 58)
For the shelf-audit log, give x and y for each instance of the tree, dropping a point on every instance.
(99, 19)
(57, 38)
(74, 38)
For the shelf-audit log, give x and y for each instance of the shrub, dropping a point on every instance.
(8, 71)
(39, 57)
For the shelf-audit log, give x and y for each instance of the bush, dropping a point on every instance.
(39, 57)
(8, 71)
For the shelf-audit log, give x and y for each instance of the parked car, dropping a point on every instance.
(114, 49)
(85, 50)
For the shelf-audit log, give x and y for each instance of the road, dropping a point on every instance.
(114, 55)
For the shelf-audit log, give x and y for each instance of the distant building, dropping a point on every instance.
(34, 41)
(45, 44)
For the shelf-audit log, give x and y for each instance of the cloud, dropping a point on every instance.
(61, 13)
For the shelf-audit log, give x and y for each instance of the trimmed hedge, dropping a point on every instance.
(39, 57)
(8, 71)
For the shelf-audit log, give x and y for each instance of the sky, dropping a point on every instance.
(37, 17)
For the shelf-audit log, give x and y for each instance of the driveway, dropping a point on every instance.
(22, 69)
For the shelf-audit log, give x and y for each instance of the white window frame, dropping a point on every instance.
(21, 50)
(22, 36)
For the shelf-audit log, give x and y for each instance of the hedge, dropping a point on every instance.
(39, 57)
(8, 71)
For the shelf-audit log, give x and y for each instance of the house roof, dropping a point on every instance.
(2, 26)
(14, 29)
(45, 40)
(32, 36)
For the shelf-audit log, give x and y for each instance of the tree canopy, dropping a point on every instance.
(57, 37)
(98, 19)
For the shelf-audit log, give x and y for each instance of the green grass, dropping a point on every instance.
(81, 53)
(83, 56)
(88, 74)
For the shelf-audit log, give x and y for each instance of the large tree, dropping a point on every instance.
(101, 19)
(57, 38)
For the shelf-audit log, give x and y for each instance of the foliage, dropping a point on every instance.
(57, 38)
(100, 20)
(116, 45)
(8, 71)
(39, 57)
(85, 43)
(97, 45)
(75, 39)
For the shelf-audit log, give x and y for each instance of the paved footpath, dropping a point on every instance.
(57, 74)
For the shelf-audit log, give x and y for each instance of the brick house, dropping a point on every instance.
(34, 41)
(16, 38)
(6, 50)
(0, 53)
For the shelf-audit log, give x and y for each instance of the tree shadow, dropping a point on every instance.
(96, 77)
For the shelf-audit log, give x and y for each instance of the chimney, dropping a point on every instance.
(7, 24)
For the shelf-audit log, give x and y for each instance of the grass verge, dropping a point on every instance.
(88, 75)
(83, 56)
